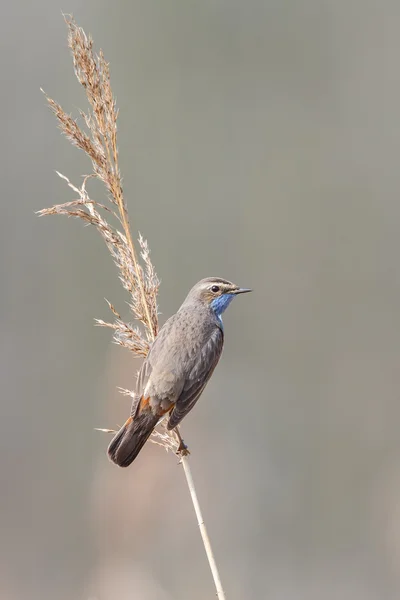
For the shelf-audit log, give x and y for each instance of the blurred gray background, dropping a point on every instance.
(259, 141)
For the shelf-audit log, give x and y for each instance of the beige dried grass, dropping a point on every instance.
(99, 143)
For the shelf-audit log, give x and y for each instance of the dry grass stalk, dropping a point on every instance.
(138, 276)
(99, 143)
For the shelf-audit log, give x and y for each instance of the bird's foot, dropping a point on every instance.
(182, 450)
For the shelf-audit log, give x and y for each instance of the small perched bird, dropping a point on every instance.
(180, 362)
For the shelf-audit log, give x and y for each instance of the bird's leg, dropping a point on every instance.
(182, 450)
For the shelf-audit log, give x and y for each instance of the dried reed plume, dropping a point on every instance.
(98, 140)
(99, 143)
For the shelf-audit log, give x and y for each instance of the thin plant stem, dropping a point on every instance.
(203, 529)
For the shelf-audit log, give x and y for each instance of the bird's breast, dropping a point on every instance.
(177, 349)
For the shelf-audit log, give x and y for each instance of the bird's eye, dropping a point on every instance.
(215, 289)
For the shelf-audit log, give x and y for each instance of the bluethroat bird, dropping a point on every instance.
(180, 362)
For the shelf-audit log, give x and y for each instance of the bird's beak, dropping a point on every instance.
(242, 291)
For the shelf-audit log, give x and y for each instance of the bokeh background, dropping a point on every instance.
(259, 141)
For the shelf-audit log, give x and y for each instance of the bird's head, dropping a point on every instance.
(216, 292)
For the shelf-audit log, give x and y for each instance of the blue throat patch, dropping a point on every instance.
(220, 304)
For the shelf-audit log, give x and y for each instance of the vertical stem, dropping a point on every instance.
(203, 530)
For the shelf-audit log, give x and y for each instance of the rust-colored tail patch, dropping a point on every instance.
(144, 403)
(157, 408)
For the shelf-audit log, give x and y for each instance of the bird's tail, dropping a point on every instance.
(130, 439)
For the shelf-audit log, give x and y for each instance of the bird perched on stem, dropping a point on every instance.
(180, 362)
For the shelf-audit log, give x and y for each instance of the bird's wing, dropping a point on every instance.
(149, 361)
(198, 377)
